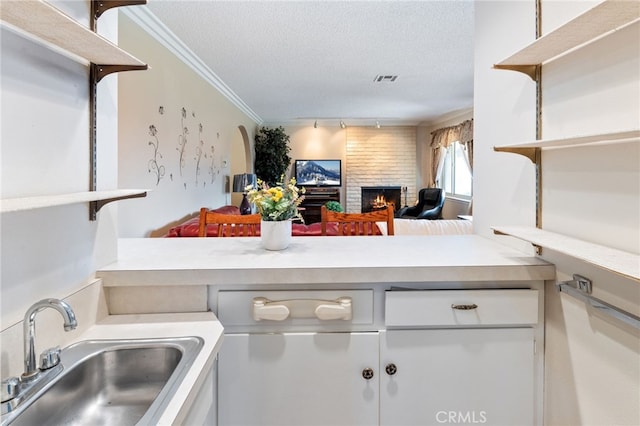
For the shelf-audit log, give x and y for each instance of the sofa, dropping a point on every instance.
(428, 227)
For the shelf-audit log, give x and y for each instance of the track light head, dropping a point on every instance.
(315, 124)
(342, 125)
(377, 124)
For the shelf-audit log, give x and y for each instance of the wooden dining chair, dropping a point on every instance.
(357, 223)
(229, 225)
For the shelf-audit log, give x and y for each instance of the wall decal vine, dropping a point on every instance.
(198, 158)
(153, 165)
(213, 172)
(199, 153)
(182, 141)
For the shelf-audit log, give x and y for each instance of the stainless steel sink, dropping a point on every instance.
(110, 382)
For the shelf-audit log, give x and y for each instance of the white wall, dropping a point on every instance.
(592, 193)
(195, 129)
(592, 368)
(504, 112)
(50, 252)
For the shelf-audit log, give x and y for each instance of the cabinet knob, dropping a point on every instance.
(391, 369)
(367, 373)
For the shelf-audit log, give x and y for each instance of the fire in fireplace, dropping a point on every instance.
(377, 197)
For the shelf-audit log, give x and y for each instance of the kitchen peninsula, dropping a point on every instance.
(364, 313)
(319, 260)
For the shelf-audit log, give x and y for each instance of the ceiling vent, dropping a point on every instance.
(383, 78)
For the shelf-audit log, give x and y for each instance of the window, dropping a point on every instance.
(456, 176)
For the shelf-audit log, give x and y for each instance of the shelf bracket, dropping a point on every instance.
(102, 71)
(531, 70)
(95, 206)
(96, 73)
(532, 154)
(98, 7)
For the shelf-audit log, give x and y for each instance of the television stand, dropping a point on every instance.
(314, 199)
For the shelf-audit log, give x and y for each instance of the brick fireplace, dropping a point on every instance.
(377, 197)
(383, 157)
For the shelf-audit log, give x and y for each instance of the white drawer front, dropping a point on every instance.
(237, 307)
(461, 307)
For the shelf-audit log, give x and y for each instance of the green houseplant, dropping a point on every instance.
(334, 206)
(271, 154)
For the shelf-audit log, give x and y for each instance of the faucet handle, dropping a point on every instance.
(50, 358)
(10, 388)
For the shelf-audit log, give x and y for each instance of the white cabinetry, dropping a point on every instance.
(423, 357)
(298, 379)
(297, 369)
(459, 356)
(459, 376)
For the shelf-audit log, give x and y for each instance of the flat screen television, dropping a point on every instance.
(318, 172)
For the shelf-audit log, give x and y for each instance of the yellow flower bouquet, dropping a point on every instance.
(276, 203)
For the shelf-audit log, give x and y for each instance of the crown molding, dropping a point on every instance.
(144, 18)
(458, 115)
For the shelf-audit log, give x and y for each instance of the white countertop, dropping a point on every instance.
(204, 325)
(198, 261)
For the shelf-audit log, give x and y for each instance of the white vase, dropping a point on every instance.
(275, 235)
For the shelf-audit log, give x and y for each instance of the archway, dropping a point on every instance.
(241, 160)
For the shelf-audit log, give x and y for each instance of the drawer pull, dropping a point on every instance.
(464, 307)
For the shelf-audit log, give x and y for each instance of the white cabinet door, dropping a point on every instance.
(298, 379)
(457, 376)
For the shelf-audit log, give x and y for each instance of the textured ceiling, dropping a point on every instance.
(294, 62)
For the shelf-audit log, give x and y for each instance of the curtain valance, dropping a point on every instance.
(463, 133)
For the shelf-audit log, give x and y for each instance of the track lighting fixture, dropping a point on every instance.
(315, 124)
(377, 124)
(342, 125)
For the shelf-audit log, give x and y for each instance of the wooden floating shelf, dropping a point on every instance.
(47, 23)
(617, 261)
(607, 16)
(99, 197)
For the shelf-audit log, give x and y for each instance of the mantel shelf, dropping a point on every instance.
(101, 198)
(607, 16)
(603, 138)
(617, 261)
(45, 22)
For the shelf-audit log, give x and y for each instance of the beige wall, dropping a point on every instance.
(195, 162)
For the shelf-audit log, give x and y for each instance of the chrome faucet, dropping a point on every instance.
(30, 366)
(15, 390)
